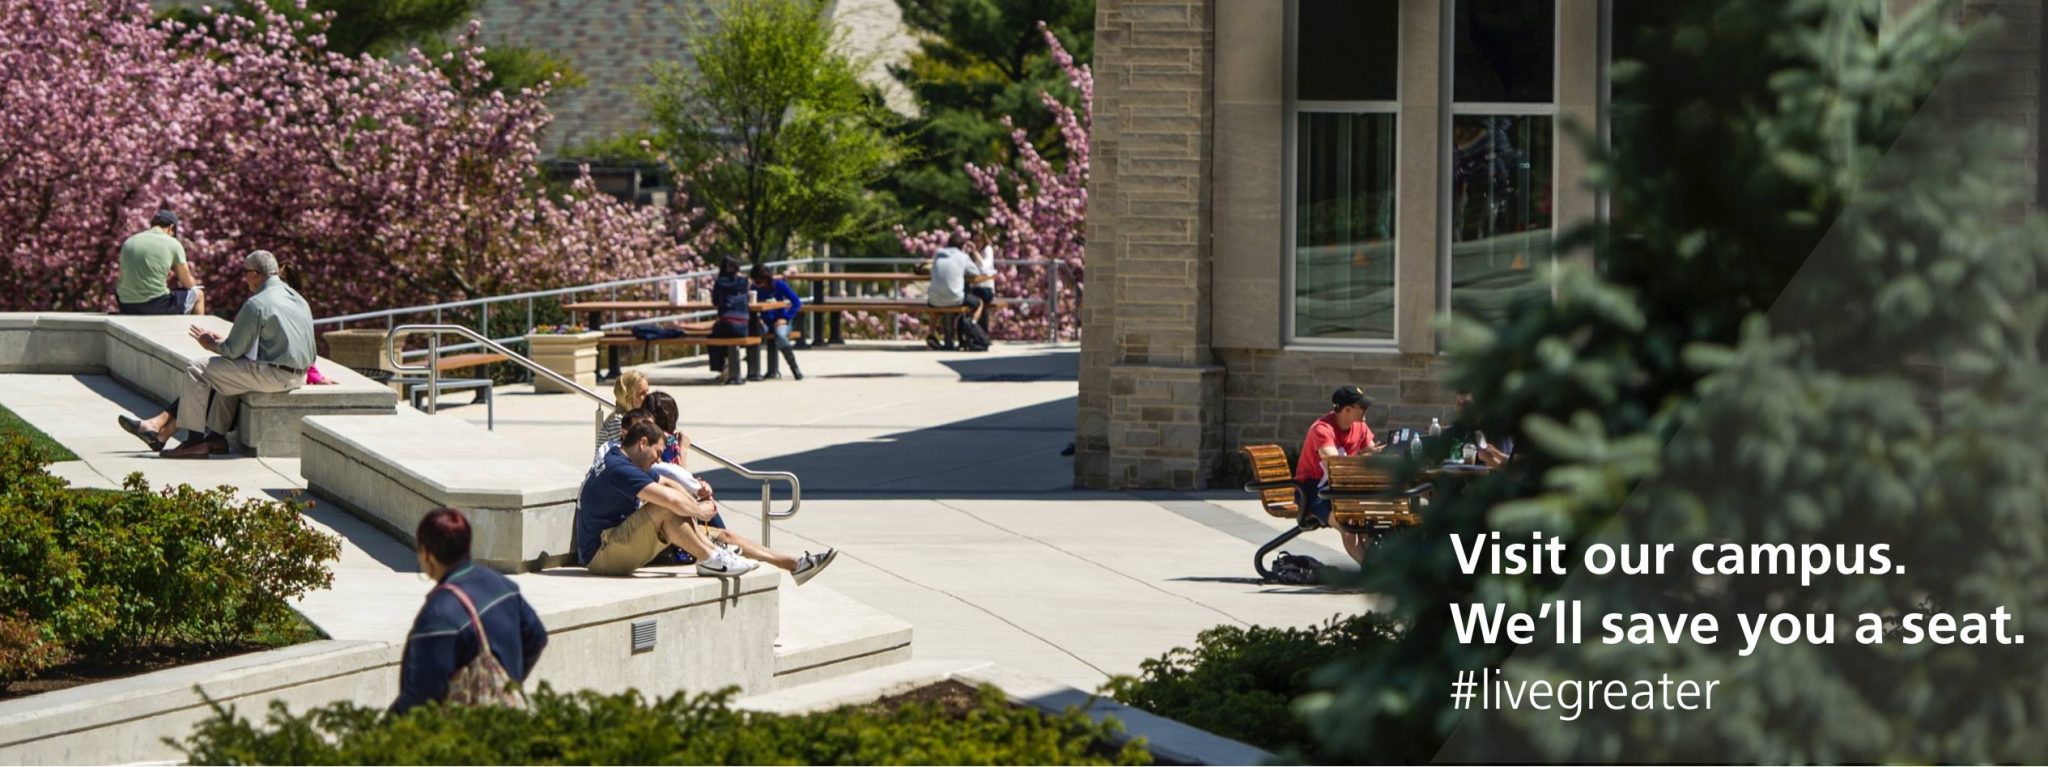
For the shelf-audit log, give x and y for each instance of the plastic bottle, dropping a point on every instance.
(1436, 427)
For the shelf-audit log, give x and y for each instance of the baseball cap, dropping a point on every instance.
(1347, 395)
(164, 217)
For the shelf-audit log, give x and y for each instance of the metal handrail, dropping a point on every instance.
(796, 490)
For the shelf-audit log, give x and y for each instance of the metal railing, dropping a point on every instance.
(1056, 278)
(478, 340)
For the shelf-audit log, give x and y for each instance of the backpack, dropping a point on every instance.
(972, 337)
(1297, 569)
(483, 681)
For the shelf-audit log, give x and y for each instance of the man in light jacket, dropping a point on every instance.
(269, 350)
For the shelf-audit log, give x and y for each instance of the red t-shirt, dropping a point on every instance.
(1324, 432)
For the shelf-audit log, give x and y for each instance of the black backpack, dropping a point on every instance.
(1297, 569)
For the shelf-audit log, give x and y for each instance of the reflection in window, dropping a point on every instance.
(1344, 226)
(1500, 210)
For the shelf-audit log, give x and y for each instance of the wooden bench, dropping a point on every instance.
(694, 334)
(461, 361)
(949, 332)
(1362, 495)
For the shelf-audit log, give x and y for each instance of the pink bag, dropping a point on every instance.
(314, 377)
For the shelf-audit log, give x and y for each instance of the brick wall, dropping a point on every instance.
(1145, 327)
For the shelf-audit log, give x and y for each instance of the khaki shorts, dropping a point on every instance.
(631, 545)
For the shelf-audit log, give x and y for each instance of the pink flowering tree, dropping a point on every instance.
(377, 182)
(1037, 212)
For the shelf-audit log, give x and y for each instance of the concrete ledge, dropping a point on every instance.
(151, 355)
(125, 720)
(53, 343)
(392, 471)
(827, 634)
(1164, 737)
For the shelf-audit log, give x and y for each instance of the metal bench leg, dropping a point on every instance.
(1259, 559)
(490, 396)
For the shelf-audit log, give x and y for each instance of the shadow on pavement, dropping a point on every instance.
(1058, 365)
(1011, 453)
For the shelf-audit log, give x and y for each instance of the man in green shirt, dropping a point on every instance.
(148, 258)
(269, 350)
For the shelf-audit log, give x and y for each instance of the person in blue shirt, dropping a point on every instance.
(443, 637)
(777, 322)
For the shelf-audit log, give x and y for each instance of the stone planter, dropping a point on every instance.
(573, 355)
(357, 348)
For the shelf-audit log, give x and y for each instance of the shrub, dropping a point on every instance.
(90, 570)
(1241, 682)
(592, 728)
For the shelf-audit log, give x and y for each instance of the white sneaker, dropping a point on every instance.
(809, 567)
(725, 564)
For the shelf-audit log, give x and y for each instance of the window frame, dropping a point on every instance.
(1447, 56)
(1294, 108)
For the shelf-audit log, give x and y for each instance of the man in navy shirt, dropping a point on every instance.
(626, 516)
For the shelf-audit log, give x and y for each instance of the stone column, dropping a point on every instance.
(1151, 402)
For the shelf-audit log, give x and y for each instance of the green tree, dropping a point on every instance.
(1812, 321)
(978, 61)
(387, 27)
(778, 136)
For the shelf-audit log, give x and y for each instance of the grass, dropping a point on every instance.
(49, 449)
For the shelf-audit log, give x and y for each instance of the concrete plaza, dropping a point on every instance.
(937, 474)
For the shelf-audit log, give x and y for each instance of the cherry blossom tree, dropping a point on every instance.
(379, 182)
(1037, 212)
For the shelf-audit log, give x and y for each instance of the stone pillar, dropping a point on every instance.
(1151, 401)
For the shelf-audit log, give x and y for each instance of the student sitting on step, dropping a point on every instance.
(626, 516)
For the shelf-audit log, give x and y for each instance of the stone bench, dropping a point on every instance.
(150, 354)
(393, 470)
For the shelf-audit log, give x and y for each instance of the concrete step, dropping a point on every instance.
(826, 634)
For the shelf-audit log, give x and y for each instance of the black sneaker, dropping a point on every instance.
(811, 564)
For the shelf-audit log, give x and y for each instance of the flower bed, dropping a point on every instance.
(96, 583)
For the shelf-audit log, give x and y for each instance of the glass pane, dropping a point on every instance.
(1504, 51)
(1344, 226)
(1500, 211)
(1347, 50)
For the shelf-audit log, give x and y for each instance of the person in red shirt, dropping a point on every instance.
(1342, 431)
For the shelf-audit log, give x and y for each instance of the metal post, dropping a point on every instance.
(767, 495)
(1052, 302)
(434, 371)
(485, 329)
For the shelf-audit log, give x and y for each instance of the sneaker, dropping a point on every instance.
(809, 567)
(725, 564)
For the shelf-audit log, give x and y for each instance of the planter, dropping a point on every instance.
(573, 355)
(357, 348)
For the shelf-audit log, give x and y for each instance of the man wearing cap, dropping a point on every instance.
(269, 350)
(1342, 431)
(148, 259)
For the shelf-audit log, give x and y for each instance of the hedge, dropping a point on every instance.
(93, 571)
(591, 728)
(1241, 682)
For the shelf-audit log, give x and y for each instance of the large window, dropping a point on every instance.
(1499, 154)
(1345, 102)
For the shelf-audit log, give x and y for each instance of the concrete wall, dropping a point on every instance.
(711, 633)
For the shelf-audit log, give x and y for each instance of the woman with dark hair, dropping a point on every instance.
(729, 296)
(675, 449)
(470, 610)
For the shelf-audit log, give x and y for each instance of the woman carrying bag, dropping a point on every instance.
(476, 638)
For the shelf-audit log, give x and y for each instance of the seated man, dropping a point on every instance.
(148, 258)
(951, 267)
(1342, 431)
(269, 350)
(625, 517)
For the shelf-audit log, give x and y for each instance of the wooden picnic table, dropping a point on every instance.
(820, 322)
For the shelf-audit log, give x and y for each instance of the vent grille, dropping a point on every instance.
(643, 636)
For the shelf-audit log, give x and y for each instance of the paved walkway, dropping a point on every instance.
(937, 474)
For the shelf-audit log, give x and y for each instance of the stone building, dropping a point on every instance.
(1286, 193)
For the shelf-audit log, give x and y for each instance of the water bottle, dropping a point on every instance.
(1436, 427)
